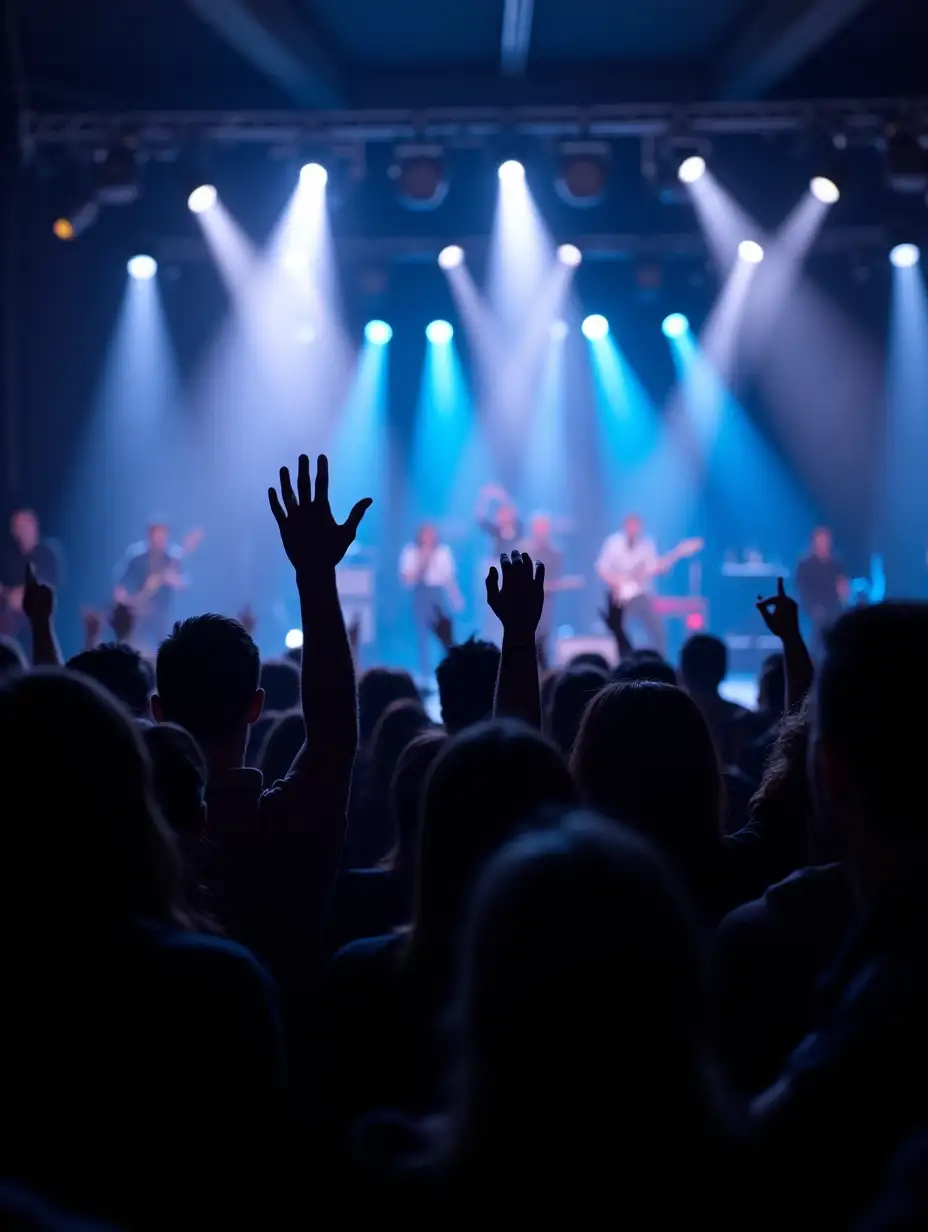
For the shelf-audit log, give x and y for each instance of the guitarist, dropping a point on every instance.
(628, 563)
(148, 579)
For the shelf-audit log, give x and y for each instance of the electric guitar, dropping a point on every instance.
(140, 602)
(626, 585)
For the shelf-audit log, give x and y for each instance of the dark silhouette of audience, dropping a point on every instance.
(703, 668)
(466, 683)
(120, 670)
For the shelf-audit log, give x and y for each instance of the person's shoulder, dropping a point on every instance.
(205, 957)
(136, 550)
(370, 949)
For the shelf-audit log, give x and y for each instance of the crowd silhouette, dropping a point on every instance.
(280, 948)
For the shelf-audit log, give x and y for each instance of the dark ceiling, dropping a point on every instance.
(103, 54)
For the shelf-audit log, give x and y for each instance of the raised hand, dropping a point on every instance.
(780, 613)
(122, 622)
(613, 615)
(312, 539)
(519, 600)
(247, 619)
(38, 598)
(92, 621)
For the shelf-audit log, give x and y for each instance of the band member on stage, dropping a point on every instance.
(27, 547)
(148, 579)
(821, 584)
(427, 568)
(504, 527)
(628, 563)
(540, 548)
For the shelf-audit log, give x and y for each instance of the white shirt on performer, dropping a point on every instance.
(632, 562)
(437, 570)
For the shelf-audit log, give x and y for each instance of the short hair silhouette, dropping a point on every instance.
(703, 662)
(645, 665)
(120, 670)
(466, 680)
(280, 680)
(207, 674)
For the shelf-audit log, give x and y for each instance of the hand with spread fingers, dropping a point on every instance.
(312, 538)
(780, 613)
(518, 599)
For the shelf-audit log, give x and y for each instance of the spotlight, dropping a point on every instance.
(595, 328)
(451, 257)
(584, 172)
(439, 333)
(313, 175)
(824, 189)
(70, 226)
(675, 326)
(201, 199)
(904, 256)
(751, 252)
(378, 333)
(511, 172)
(142, 268)
(305, 334)
(294, 639)
(558, 331)
(569, 254)
(419, 174)
(692, 169)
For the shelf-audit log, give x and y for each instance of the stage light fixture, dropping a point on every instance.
(595, 327)
(418, 171)
(583, 175)
(313, 175)
(570, 255)
(439, 333)
(201, 199)
(751, 252)
(558, 331)
(142, 267)
(675, 325)
(691, 169)
(451, 257)
(294, 639)
(823, 188)
(511, 172)
(378, 333)
(70, 226)
(904, 256)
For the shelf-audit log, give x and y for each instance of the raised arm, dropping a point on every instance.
(315, 543)
(39, 608)
(781, 616)
(518, 604)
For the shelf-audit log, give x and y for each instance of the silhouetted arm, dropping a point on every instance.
(38, 608)
(518, 604)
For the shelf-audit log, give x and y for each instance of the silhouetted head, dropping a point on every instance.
(771, 686)
(280, 680)
(581, 992)
(207, 677)
(89, 848)
(159, 534)
(703, 663)
(540, 529)
(377, 688)
(589, 658)
(644, 755)
(399, 724)
(24, 527)
(121, 671)
(486, 784)
(870, 732)
(427, 536)
(466, 680)
(632, 527)
(645, 665)
(821, 542)
(180, 775)
(283, 741)
(574, 690)
(12, 658)
(406, 791)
